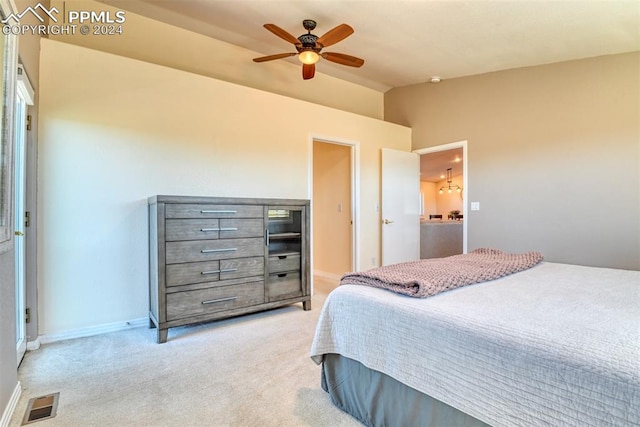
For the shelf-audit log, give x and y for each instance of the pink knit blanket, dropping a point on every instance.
(428, 277)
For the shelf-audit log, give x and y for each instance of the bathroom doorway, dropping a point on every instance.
(333, 210)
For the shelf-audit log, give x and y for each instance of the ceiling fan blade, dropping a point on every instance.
(341, 58)
(335, 35)
(281, 33)
(308, 71)
(272, 57)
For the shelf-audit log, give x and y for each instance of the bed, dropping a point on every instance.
(552, 345)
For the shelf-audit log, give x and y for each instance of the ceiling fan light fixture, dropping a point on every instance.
(309, 46)
(308, 57)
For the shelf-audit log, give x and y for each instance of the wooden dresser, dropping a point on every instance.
(216, 257)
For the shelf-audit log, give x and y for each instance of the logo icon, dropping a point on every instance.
(34, 10)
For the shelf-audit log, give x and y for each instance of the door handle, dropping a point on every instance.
(18, 233)
(386, 221)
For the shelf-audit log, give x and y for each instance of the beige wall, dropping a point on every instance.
(114, 131)
(331, 209)
(8, 371)
(164, 44)
(29, 44)
(553, 155)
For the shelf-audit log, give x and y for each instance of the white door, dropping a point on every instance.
(400, 206)
(24, 97)
(19, 168)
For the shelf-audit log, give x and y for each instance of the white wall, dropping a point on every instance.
(114, 131)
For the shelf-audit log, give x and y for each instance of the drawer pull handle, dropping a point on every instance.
(282, 275)
(229, 229)
(210, 272)
(204, 230)
(208, 251)
(213, 301)
(282, 257)
(222, 270)
(204, 211)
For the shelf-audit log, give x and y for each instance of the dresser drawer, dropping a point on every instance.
(192, 272)
(213, 271)
(192, 229)
(210, 250)
(283, 285)
(232, 228)
(213, 211)
(202, 229)
(282, 263)
(241, 267)
(193, 303)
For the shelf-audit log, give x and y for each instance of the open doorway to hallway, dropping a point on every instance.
(442, 187)
(332, 210)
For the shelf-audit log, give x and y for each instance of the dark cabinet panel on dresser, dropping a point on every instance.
(217, 257)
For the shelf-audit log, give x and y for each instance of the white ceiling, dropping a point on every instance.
(407, 42)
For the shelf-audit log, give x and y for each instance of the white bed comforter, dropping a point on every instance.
(554, 345)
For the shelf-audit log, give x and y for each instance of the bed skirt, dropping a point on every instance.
(376, 399)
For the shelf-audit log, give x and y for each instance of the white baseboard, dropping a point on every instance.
(11, 406)
(325, 275)
(93, 330)
(33, 345)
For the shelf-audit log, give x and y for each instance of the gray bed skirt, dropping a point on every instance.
(376, 399)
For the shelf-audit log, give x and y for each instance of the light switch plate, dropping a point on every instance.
(475, 206)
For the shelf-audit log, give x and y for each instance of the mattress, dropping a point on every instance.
(553, 345)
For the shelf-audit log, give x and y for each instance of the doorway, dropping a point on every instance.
(333, 195)
(24, 98)
(443, 188)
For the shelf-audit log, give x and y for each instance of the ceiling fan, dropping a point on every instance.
(309, 45)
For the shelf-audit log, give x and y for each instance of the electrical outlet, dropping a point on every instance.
(475, 206)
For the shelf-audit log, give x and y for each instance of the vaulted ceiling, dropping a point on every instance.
(408, 42)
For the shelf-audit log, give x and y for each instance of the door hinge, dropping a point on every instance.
(27, 315)
(28, 121)
(27, 218)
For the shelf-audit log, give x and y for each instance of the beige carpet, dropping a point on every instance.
(253, 370)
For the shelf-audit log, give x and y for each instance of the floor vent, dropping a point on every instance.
(41, 408)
